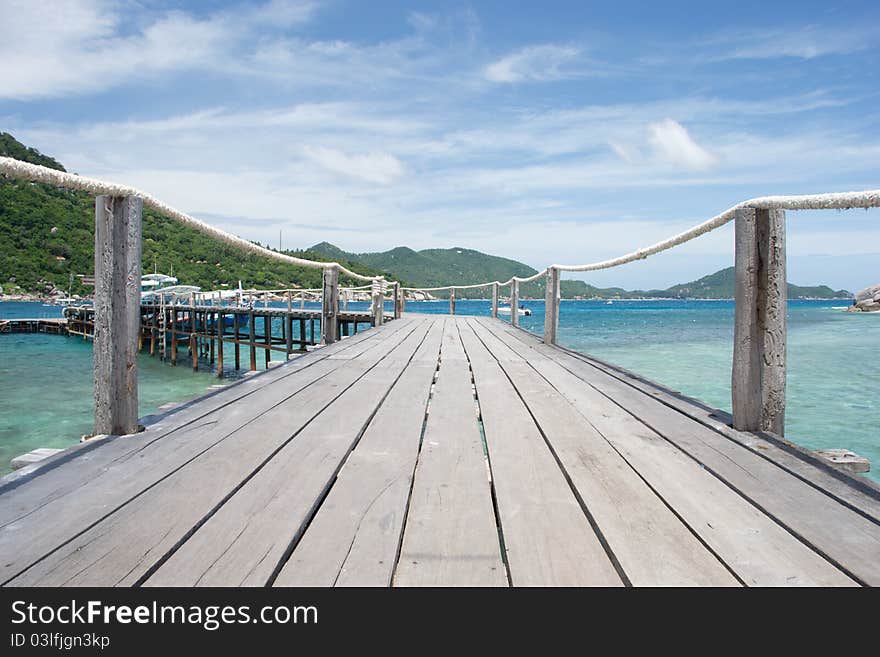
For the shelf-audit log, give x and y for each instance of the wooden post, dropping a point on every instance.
(398, 301)
(758, 375)
(288, 336)
(494, 299)
(153, 331)
(302, 335)
(211, 316)
(173, 335)
(378, 304)
(235, 332)
(551, 305)
(194, 351)
(452, 301)
(117, 312)
(514, 302)
(253, 340)
(267, 329)
(221, 329)
(330, 306)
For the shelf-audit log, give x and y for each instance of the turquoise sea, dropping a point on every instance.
(833, 376)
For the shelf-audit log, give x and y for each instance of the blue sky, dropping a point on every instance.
(547, 132)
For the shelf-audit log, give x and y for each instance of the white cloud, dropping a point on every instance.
(381, 168)
(534, 63)
(799, 42)
(673, 143)
(82, 46)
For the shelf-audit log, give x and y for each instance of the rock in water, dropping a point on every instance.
(867, 300)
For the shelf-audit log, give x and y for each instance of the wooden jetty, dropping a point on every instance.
(439, 450)
(433, 449)
(205, 330)
(52, 325)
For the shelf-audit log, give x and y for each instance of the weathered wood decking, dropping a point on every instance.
(438, 450)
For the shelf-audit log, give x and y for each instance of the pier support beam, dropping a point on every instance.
(494, 300)
(117, 312)
(252, 341)
(452, 301)
(758, 376)
(551, 305)
(398, 301)
(330, 306)
(514, 302)
(378, 304)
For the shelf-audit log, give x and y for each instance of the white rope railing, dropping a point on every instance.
(36, 173)
(833, 201)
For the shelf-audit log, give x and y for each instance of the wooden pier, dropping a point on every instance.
(439, 450)
(204, 330)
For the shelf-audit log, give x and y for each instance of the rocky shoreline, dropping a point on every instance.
(867, 300)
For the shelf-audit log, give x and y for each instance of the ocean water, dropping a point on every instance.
(833, 374)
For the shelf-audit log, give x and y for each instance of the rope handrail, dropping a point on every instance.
(831, 201)
(37, 173)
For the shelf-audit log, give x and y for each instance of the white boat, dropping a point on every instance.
(505, 310)
(155, 287)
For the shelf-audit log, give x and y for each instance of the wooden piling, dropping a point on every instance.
(495, 299)
(117, 312)
(551, 305)
(235, 332)
(398, 301)
(220, 333)
(758, 374)
(288, 336)
(330, 306)
(267, 330)
(174, 336)
(194, 351)
(253, 340)
(514, 302)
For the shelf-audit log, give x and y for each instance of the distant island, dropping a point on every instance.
(48, 245)
(436, 267)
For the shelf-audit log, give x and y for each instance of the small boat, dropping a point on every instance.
(158, 287)
(505, 310)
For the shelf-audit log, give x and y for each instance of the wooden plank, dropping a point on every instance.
(354, 537)
(41, 513)
(651, 544)
(547, 537)
(117, 312)
(832, 529)
(248, 539)
(751, 543)
(858, 493)
(451, 537)
(125, 544)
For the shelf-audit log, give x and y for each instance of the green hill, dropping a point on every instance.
(47, 234)
(722, 285)
(436, 267)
